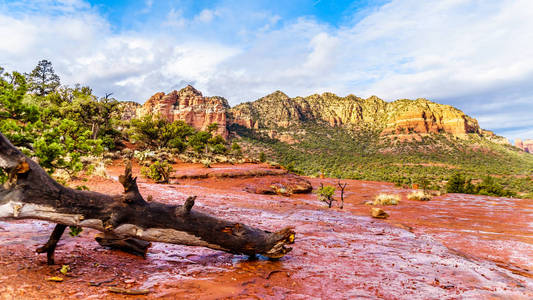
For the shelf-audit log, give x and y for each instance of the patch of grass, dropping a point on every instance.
(386, 199)
(419, 195)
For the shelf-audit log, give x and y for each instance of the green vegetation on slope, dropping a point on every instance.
(363, 154)
(60, 125)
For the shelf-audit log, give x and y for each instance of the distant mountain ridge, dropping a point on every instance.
(400, 116)
(526, 145)
(277, 110)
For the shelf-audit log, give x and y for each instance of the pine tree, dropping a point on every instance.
(43, 80)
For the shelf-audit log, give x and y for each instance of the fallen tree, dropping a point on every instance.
(126, 220)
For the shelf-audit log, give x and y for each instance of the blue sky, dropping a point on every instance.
(128, 15)
(472, 54)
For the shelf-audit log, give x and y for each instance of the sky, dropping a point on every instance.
(473, 54)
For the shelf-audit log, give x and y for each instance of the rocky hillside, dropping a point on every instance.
(398, 117)
(278, 110)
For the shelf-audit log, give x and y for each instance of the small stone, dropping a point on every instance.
(379, 213)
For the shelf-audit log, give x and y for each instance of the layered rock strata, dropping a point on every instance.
(278, 110)
(189, 105)
(525, 145)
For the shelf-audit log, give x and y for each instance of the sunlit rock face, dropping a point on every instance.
(526, 145)
(277, 110)
(398, 117)
(128, 110)
(189, 105)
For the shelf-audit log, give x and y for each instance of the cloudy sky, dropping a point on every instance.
(476, 55)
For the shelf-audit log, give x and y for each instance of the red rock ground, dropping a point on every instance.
(454, 246)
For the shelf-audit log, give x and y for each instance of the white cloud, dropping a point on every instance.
(205, 16)
(175, 19)
(471, 54)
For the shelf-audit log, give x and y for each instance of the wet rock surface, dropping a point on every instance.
(454, 246)
(198, 171)
(276, 185)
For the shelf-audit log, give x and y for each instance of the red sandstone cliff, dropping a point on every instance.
(279, 110)
(189, 105)
(526, 145)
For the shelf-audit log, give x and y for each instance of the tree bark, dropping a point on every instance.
(30, 193)
(126, 244)
(342, 187)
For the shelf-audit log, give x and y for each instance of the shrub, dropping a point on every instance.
(456, 184)
(219, 149)
(236, 149)
(423, 182)
(325, 193)
(490, 187)
(290, 167)
(199, 141)
(206, 162)
(3, 176)
(419, 195)
(386, 199)
(262, 157)
(156, 132)
(75, 231)
(159, 171)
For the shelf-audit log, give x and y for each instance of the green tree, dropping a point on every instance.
(456, 183)
(16, 116)
(212, 127)
(63, 144)
(236, 149)
(160, 172)
(157, 132)
(199, 141)
(490, 187)
(217, 144)
(219, 149)
(325, 193)
(43, 80)
(146, 130)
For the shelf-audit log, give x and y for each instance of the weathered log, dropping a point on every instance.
(50, 246)
(30, 193)
(122, 243)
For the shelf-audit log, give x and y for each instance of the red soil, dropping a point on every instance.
(454, 246)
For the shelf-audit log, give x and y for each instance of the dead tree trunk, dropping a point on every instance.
(342, 186)
(30, 193)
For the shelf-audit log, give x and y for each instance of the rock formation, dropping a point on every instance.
(278, 110)
(189, 105)
(526, 145)
(128, 110)
(518, 143)
(401, 116)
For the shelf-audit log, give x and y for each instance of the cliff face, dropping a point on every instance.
(128, 110)
(423, 116)
(398, 117)
(278, 110)
(189, 105)
(526, 145)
